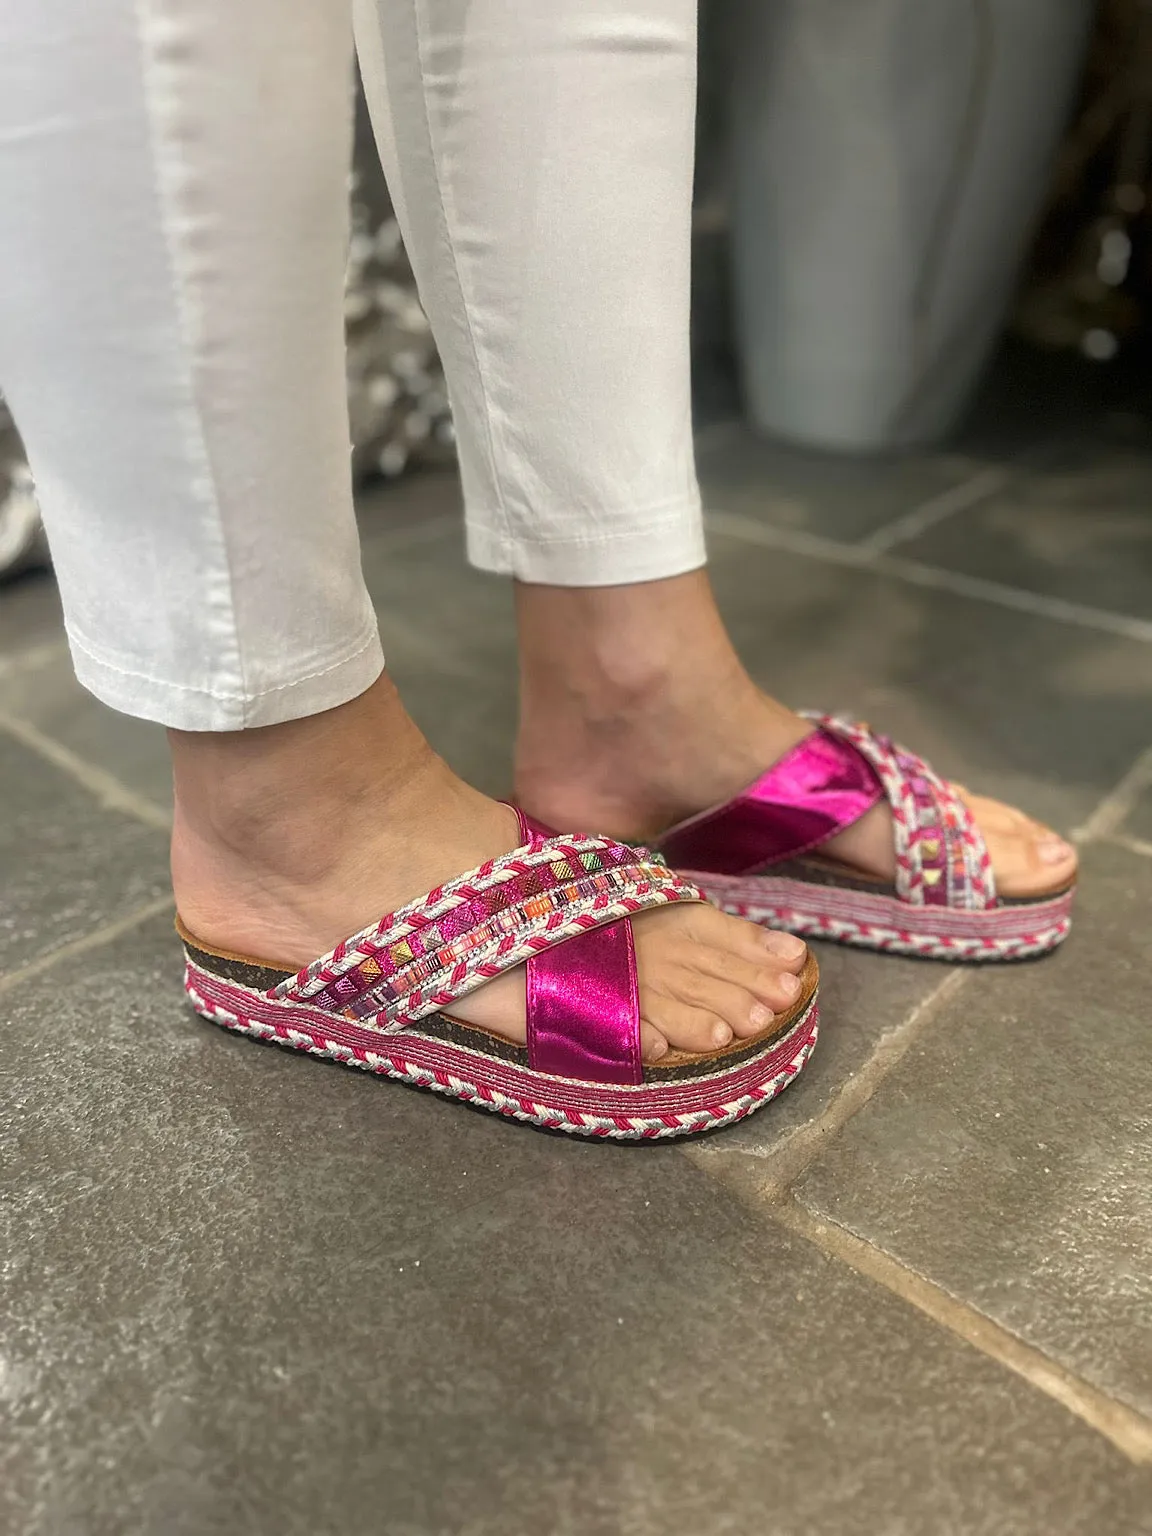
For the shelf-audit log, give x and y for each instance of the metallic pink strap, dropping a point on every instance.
(584, 1008)
(532, 832)
(817, 789)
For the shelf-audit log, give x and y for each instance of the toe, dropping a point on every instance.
(785, 949)
(1028, 858)
(685, 1026)
(1053, 851)
(765, 982)
(653, 1042)
(731, 1004)
(706, 978)
(732, 939)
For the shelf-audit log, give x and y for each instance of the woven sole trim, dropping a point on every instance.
(892, 926)
(646, 1112)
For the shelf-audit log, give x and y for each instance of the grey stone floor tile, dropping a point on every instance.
(249, 1293)
(842, 497)
(1046, 715)
(133, 751)
(1078, 528)
(1138, 822)
(67, 866)
(29, 612)
(389, 507)
(1009, 1156)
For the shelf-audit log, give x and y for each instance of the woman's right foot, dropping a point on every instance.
(289, 838)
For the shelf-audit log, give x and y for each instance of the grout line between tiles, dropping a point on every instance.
(1129, 1431)
(917, 520)
(736, 525)
(784, 1163)
(1138, 845)
(94, 940)
(1109, 815)
(766, 1182)
(107, 790)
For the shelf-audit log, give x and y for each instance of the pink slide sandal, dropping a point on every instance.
(758, 857)
(561, 907)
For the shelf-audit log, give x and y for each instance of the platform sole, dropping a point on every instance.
(649, 1111)
(877, 921)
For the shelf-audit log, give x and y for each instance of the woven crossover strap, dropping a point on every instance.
(521, 905)
(824, 784)
(941, 858)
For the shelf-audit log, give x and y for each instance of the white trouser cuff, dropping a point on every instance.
(187, 708)
(667, 545)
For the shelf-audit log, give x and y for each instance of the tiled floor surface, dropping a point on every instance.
(244, 1292)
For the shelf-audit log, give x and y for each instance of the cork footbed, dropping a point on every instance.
(262, 975)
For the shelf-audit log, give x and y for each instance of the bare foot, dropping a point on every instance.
(653, 718)
(288, 839)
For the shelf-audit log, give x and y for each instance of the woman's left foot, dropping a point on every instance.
(653, 719)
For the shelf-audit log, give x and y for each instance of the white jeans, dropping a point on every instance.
(173, 228)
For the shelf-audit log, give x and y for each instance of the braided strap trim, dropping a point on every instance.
(434, 951)
(941, 858)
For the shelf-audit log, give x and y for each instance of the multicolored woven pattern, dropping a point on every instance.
(434, 951)
(941, 858)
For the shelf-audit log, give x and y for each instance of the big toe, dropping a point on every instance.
(1028, 858)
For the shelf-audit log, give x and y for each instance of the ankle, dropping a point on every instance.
(630, 756)
(265, 816)
(261, 794)
(647, 718)
(598, 652)
(289, 838)
(602, 666)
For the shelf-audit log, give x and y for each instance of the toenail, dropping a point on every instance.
(657, 1049)
(790, 984)
(760, 1017)
(1055, 851)
(721, 1034)
(786, 945)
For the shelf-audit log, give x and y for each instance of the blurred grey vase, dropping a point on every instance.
(889, 157)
